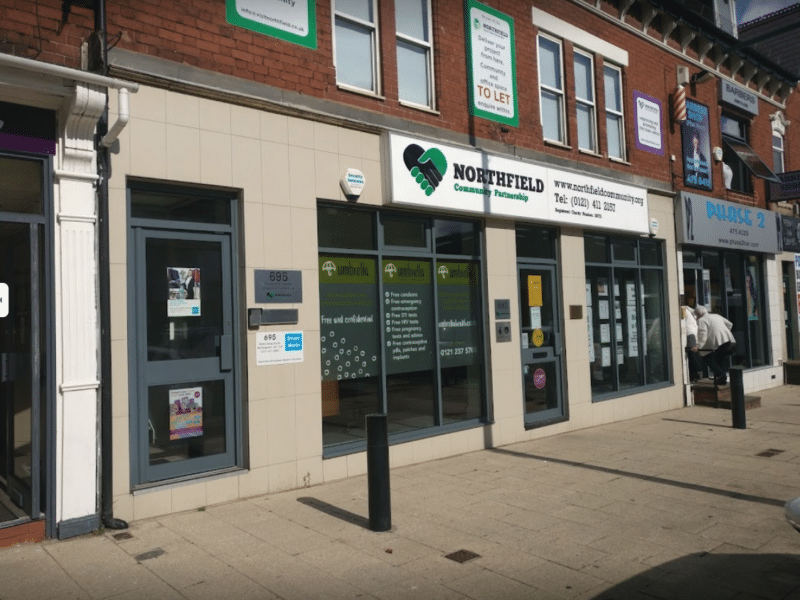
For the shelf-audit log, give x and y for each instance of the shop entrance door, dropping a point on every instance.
(21, 369)
(185, 386)
(540, 334)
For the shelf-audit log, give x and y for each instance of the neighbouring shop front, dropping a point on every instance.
(728, 256)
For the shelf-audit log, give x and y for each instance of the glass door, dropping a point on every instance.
(540, 335)
(20, 370)
(185, 378)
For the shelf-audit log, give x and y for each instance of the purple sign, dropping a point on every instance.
(648, 113)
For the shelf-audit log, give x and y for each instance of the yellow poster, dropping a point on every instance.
(534, 290)
(538, 337)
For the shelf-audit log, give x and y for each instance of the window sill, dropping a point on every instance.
(168, 484)
(420, 107)
(620, 161)
(361, 91)
(557, 144)
(590, 153)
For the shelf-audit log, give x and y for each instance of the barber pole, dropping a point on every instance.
(679, 105)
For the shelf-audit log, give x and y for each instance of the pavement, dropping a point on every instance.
(673, 506)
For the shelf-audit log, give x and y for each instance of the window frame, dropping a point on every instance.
(430, 252)
(741, 173)
(592, 104)
(375, 43)
(560, 93)
(778, 151)
(429, 59)
(618, 114)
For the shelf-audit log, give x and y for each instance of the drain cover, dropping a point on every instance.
(122, 536)
(770, 452)
(462, 556)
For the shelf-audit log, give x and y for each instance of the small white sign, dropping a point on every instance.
(352, 182)
(279, 347)
(3, 300)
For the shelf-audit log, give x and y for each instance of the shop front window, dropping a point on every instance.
(626, 314)
(401, 326)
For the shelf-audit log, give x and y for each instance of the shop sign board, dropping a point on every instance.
(492, 64)
(277, 286)
(706, 221)
(696, 138)
(439, 176)
(648, 117)
(737, 96)
(787, 189)
(292, 21)
(790, 233)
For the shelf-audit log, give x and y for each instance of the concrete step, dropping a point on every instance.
(706, 393)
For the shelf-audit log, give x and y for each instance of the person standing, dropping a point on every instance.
(714, 334)
(692, 355)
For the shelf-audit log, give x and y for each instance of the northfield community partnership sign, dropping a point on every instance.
(434, 175)
(289, 20)
(492, 66)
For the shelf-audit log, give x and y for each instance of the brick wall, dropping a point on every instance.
(195, 32)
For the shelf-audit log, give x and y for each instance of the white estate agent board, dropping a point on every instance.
(434, 175)
(492, 68)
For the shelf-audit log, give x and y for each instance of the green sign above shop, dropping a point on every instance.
(293, 21)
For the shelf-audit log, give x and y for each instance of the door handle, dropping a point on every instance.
(225, 352)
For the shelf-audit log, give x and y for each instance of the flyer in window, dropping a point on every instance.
(633, 333)
(620, 355)
(630, 293)
(616, 289)
(606, 356)
(602, 309)
(605, 333)
(185, 413)
(591, 335)
(588, 293)
(617, 310)
(183, 292)
(602, 286)
(619, 332)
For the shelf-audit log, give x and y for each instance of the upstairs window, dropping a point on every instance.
(551, 90)
(585, 102)
(356, 44)
(777, 153)
(615, 129)
(735, 134)
(414, 52)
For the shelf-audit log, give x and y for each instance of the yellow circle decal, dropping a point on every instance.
(538, 337)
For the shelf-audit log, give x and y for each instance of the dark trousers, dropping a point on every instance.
(716, 359)
(695, 363)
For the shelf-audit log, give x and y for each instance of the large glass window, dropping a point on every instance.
(584, 101)
(401, 326)
(777, 152)
(626, 314)
(615, 128)
(414, 51)
(735, 131)
(356, 43)
(551, 90)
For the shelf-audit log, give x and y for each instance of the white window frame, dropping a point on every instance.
(558, 92)
(779, 150)
(619, 114)
(591, 104)
(373, 27)
(428, 46)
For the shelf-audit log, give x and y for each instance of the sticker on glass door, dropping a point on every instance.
(185, 413)
(183, 292)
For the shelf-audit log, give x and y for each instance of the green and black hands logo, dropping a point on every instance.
(426, 166)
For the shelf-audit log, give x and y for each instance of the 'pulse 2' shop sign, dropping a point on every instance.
(434, 175)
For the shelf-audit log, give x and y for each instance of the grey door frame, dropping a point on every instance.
(145, 373)
(547, 354)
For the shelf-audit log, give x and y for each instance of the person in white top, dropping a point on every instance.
(714, 334)
(692, 355)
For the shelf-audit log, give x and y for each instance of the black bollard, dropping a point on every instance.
(737, 398)
(380, 505)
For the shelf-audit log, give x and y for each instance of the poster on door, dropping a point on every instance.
(185, 413)
(183, 292)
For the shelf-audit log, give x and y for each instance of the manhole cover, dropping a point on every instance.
(122, 536)
(462, 556)
(770, 452)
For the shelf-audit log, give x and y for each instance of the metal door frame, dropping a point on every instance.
(548, 354)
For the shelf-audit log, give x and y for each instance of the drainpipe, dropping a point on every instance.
(106, 139)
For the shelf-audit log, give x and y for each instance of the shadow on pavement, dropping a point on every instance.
(335, 511)
(708, 576)
(651, 478)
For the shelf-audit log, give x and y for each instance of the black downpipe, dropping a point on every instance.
(104, 171)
